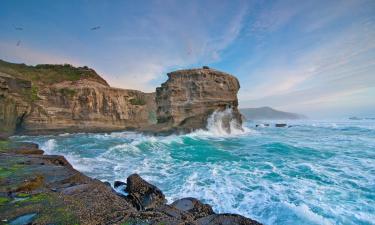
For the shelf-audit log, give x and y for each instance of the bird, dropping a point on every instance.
(95, 28)
(18, 43)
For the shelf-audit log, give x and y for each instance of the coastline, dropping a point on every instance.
(46, 189)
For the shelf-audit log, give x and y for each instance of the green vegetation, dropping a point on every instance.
(68, 92)
(34, 93)
(45, 74)
(3, 200)
(137, 101)
(9, 171)
(4, 145)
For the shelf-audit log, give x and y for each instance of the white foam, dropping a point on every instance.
(304, 211)
(216, 126)
(49, 146)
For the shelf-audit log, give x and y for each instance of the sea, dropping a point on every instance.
(309, 172)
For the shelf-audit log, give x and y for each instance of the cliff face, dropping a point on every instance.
(62, 98)
(189, 97)
(15, 99)
(89, 106)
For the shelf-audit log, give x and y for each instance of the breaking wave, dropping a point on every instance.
(315, 172)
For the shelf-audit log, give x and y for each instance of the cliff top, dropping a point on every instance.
(47, 74)
(198, 71)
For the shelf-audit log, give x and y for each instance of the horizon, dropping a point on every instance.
(315, 58)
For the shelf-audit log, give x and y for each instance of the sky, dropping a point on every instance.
(311, 57)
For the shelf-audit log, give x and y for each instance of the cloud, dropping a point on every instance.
(173, 36)
(315, 68)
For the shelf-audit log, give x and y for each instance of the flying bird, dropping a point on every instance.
(18, 43)
(18, 28)
(95, 28)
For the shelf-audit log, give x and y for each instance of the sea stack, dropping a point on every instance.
(187, 99)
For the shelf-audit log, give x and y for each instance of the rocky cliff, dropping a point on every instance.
(62, 98)
(187, 99)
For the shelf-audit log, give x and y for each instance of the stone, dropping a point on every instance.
(280, 125)
(117, 184)
(194, 207)
(226, 219)
(142, 194)
(187, 99)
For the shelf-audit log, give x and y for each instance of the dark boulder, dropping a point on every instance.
(280, 125)
(142, 194)
(117, 184)
(226, 219)
(193, 206)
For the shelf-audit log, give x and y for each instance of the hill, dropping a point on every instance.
(268, 113)
(47, 74)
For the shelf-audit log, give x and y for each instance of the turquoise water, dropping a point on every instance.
(316, 172)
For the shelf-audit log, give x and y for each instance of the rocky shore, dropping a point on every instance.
(45, 189)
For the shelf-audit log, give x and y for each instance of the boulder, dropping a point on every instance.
(226, 219)
(193, 206)
(142, 194)
(280, 125)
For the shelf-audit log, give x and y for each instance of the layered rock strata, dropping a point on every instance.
(189, 97)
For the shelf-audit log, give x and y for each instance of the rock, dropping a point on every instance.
(107, 183)
(14, 103)
(226, 219)
(189, 97)
(56, 103)
(142, 194)
(90, 107)
(193, 206)
(280, 125)
(117, 184)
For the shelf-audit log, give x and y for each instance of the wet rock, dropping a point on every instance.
(142, 194)
(193, 206)
(280, 125)
(29, 151)
(226, 219)
(31, 184)
(107, 183)
(117, 184)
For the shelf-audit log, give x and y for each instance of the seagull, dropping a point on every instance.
(95, 28)
(18, 43)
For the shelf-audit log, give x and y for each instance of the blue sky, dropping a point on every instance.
(311, 57)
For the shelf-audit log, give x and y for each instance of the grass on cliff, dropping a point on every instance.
(45, 74)
(137, 101)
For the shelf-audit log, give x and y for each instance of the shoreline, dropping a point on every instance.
(47, 189)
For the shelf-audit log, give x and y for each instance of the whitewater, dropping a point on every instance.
(314, 172)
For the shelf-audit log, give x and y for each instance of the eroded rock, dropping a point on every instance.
(142, 194)
(226, 219)
(194, 207)
(186, 100)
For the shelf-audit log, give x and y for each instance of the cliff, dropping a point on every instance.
(62, 98)
(189, 97)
